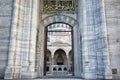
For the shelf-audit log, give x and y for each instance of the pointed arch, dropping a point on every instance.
(59, 19)
(60, 57)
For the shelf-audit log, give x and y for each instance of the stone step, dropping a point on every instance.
(59, 79)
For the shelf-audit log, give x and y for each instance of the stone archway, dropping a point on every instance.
(59, 18)
(60, 57)
(41, 36)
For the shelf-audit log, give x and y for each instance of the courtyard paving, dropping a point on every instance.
(58, 79)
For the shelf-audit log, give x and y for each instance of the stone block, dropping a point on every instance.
(5, 7)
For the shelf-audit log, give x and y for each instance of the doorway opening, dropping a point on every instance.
(59, 57)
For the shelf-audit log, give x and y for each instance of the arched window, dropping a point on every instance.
(65, 69)
(54, 69)
(59, 69)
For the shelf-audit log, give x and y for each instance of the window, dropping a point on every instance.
(47, 58)
(54, 69)
(47, 68)
(59, 69)
(65, 69)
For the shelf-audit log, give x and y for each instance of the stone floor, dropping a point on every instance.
(58, 79)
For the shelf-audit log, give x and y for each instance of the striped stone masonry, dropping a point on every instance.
(22, 38)
(5, 25)
(95, 56)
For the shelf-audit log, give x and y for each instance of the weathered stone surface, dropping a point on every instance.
(112, 8)
(91, 58)
(6, 7)
(5, 23)
(94, 49)
(23, 40)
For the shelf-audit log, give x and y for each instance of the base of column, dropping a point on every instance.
(26, 75)
(108, 73)
(18, 73)
(12, 73)
(90, 75)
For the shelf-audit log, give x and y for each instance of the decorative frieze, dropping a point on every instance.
(58, 5)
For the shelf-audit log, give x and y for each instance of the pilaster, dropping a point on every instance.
(21, 60)
(94, 47)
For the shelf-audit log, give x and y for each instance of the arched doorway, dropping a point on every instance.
(60, 57)
(60, 60)
(42, 41)
(58, 35)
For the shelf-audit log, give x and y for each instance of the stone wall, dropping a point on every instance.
(112, 8)
(23, 25)
(93, 39)
(5, 24)
(21, 60)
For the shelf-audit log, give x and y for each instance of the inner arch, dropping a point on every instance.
(60, 57)
(59, 38)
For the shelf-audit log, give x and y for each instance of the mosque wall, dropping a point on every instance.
(6, 9)
(112, 14)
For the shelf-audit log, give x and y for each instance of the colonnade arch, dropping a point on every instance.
(50, 55)
(60, 57)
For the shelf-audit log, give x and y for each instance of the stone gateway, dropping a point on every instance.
(59, 38)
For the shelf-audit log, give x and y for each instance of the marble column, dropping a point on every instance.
(13, 67)
(76, 53)
(23, 40)
(93, 35)
(77, 41)
(41, 50)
